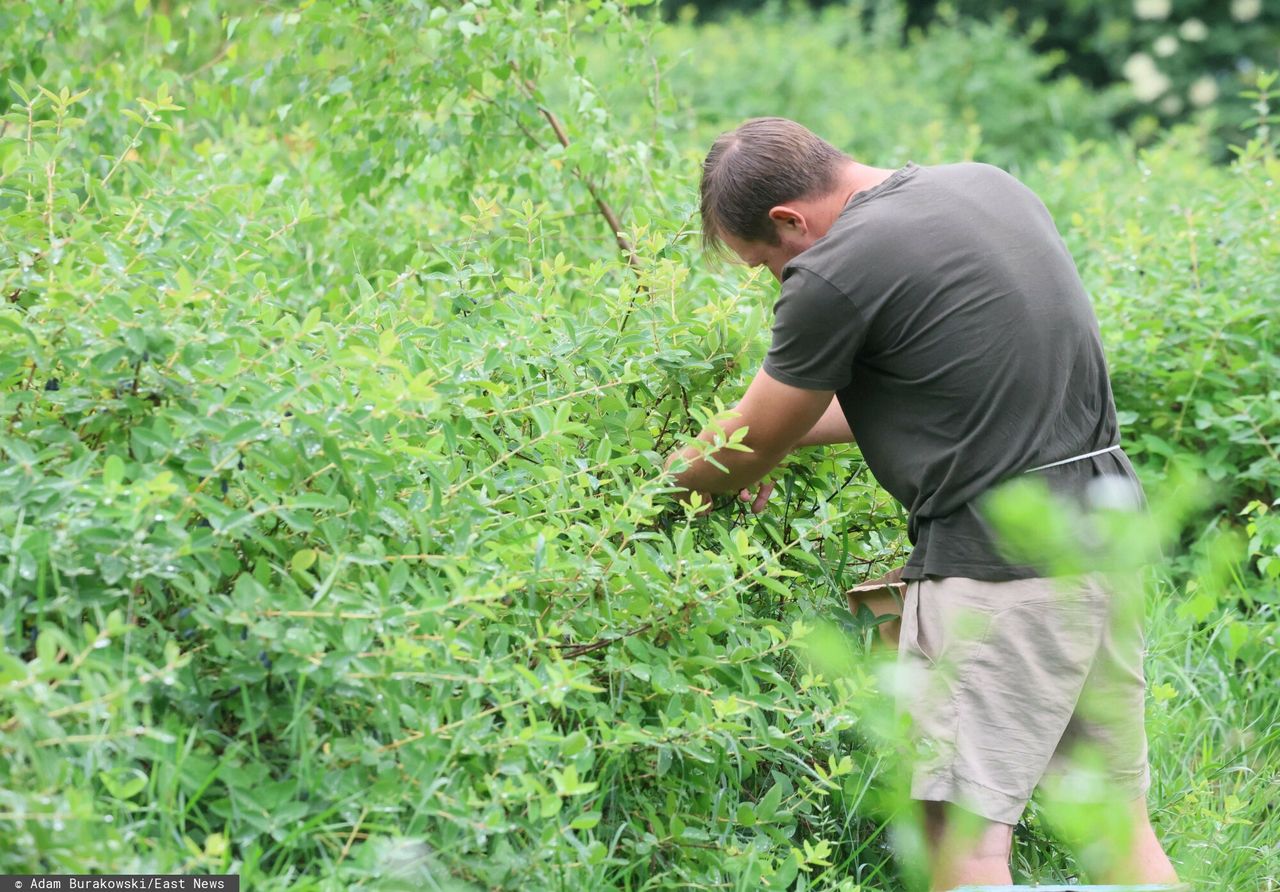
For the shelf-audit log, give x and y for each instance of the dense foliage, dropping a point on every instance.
(333, 546)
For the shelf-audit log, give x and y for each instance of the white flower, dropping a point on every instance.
(1166, 45)
(1245, 10)
(1137, 65)
(1203, 91)
(1152, 9)
(1193, 30)
(1171, 104)
(1149, 82)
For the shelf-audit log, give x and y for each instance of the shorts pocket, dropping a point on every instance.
(950, 627)
(929, 640)
(909, 642)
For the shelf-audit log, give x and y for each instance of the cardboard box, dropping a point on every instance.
(883, 597)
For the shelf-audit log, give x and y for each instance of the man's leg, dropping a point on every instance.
(1143, 860)
(1097, 783)
(1113, 840)
(990, 677)
(965, 849)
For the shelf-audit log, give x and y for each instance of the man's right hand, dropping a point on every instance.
(761, 499)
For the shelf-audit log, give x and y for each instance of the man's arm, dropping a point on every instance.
(776, 415)
(831, 428)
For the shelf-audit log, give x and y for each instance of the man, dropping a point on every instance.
(936, 314)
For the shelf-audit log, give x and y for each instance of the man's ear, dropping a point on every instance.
(786, 217)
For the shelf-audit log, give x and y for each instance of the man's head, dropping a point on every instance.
(768, 190)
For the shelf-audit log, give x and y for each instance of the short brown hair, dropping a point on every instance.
(763, 163)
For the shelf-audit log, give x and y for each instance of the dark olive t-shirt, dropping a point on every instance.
(945, 311)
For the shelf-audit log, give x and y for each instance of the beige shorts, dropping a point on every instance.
(1010, 683)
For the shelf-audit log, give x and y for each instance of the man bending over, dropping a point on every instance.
(936, 314)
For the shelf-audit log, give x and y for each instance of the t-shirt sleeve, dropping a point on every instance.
(817, 332)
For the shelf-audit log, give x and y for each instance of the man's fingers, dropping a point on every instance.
(762, 498)
(758, 502)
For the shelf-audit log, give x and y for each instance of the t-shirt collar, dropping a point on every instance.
(883, 186)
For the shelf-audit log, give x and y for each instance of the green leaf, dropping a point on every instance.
(768, 806)
(11, 669)
(387, 342)
(574, 744)
(586, 820)
(123, 783)
(47, 648)
(786, 872)
(302, 560)
(113, 471)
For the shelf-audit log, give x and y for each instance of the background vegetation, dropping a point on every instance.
(1178, 59)
(333, 548)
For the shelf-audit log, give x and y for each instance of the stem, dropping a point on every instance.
(606, 210)
(116, 166)
(49, 170)
(615, 225)
(31, 123)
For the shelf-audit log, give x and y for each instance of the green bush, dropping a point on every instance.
(334, 549)
(331, 501)
(974, 88)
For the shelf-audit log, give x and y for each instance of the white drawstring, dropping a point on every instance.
(1054, 464)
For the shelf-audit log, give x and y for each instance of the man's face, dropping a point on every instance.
(792, 240)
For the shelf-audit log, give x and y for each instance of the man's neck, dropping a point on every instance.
(821, 212)
(858, 178)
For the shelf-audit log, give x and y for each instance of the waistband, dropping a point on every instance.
(1067, 461)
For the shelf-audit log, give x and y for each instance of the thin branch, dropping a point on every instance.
(606, 210)
(615, 225)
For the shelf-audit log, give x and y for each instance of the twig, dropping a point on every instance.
(615, 225)
(346, 849)
(606, 211)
